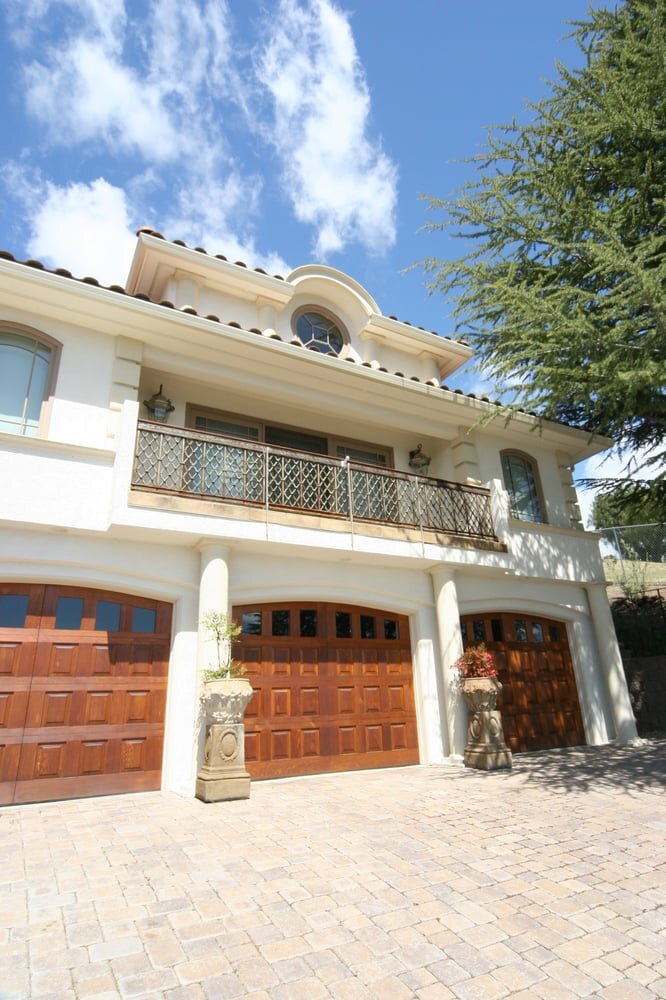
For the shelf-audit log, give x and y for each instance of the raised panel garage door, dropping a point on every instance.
(83, 678)
(539, 699)
(333, 688)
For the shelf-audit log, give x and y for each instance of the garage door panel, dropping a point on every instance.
(90, 715)
(339, 713)
(539, 699)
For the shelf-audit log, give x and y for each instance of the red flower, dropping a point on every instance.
(476, 661)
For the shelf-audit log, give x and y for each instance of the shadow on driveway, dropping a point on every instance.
(596, 769)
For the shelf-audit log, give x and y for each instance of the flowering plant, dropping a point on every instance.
(476, 661)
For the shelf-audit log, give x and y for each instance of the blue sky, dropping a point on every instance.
(277, 132)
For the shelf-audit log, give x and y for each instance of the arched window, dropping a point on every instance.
(521, 481)
(318, 330)
(26, 366)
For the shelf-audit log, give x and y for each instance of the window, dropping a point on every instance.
(233, 425)
(319, 331)
(25, 367)
(522, 484)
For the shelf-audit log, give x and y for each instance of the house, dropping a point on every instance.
(213, 437)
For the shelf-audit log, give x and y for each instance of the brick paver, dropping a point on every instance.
(548, 882)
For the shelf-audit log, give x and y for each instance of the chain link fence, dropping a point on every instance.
(635, 557)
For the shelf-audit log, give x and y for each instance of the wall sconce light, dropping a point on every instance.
(159, 406)
(418, 459)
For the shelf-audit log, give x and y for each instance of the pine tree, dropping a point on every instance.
(563, 292)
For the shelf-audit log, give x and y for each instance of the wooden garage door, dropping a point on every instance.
(539, 700)
(332, 685)
(83, 676)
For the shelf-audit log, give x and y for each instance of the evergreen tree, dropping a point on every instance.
(563, 292)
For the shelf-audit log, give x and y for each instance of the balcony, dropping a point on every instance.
(191, 463)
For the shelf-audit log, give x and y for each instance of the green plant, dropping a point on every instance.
(476, 661)
(223, 631)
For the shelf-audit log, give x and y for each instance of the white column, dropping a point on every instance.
(213, 595)
(611, 663)
(590, 684)
(450, 644)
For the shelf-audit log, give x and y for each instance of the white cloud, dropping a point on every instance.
(86, 228)
(337, 178)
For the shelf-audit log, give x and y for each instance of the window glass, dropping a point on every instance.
(320, 332)
(520, 630)
(308, 623)
(251, 623)
(554, 633)
(217, 425)
(69, 612)
(362, 455)
(143, 620)
(368, 630)
(479, 630)
(521, 485)
(280, 622)
(463, 630)
(390, 628)
(107, 616)
(497, 630)
(13, 610)
(343, 625)
(283, 437)
(24, 369)
(537, 632)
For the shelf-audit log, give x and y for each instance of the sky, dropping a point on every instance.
(277, 132)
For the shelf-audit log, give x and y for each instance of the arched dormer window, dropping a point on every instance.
(319, 330)
(521, 481)
(27, 363)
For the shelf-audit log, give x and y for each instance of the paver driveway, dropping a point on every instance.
(435, 882)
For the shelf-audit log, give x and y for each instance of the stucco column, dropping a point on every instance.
(450, 644)
(213, 595)
(611, 663)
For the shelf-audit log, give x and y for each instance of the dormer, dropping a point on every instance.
(315, 306)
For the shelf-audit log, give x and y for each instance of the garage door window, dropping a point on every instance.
(69, 612)
(13, 610)
(107, 617)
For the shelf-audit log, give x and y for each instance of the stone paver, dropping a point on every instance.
(548, 882)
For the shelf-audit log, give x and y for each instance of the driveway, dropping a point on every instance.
(429, 882)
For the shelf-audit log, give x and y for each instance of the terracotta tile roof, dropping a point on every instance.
(233, 324)
(218, 256)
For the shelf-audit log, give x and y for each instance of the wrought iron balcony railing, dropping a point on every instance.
(196, 464)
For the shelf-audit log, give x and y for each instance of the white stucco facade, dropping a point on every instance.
(72, 515)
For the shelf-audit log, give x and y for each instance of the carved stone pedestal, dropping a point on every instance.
(223, 776)
(486, 749)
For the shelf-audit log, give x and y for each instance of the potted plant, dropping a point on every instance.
(226, 695)
(477, 674)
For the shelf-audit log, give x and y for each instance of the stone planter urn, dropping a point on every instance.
(486, 749)
(223, 776)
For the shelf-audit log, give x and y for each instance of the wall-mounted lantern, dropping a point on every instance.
(160, 407)
(418, 459)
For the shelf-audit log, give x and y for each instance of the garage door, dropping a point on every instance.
(332, 685)
(539, 700)
(83, 677)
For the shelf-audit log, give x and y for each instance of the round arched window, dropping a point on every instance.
(319, 331)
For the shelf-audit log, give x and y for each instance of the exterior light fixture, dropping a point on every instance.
(159, 406)
(418, 460)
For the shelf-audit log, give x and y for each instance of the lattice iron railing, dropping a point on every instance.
(193, 463)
